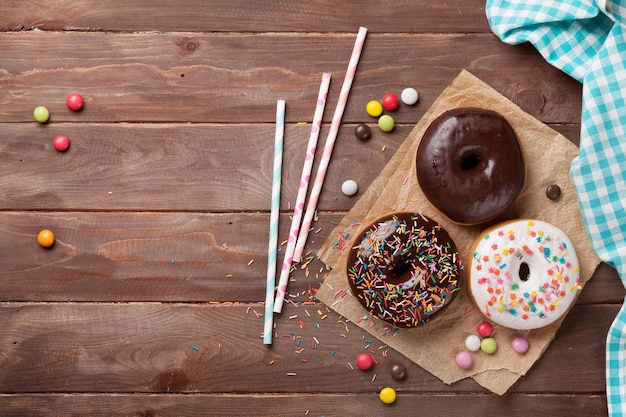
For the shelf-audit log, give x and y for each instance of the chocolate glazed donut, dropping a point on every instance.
(470, 165)
(404, 269)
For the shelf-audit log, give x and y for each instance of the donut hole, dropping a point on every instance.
(471, 158)
(524, 272)
(399, 271)
(470, 162)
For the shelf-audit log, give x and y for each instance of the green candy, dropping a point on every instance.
(488, 345)
(41, 114)
(386, 123)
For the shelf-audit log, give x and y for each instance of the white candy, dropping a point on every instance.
(349, 187)
(409, 96)
(472, 343)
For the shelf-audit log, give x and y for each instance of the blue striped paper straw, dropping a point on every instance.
(274, 217)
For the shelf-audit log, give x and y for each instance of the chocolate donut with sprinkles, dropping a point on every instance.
(404, 269)
(523, 274)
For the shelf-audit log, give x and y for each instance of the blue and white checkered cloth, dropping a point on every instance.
(587, 40)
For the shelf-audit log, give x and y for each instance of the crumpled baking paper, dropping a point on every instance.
(434, 346)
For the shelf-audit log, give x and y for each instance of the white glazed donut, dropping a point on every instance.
(523, 274)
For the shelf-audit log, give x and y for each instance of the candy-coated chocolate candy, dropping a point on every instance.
(364, 361)
(520, 344)
(386, 123)
(488, 345)
(409, 96)
(390, 101)
(374, 108)
(349, 187)
(74, 101)
(472, 343)
(464, 360)
(398, 372)
(363, 132)
(45, 238)
(553, 192)
(41, 114)
(61, 143)
(484, 329)
(387, 395)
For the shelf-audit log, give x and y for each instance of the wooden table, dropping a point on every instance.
(150, 302)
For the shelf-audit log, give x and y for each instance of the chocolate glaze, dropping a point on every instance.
(404, 269)
(470, 165)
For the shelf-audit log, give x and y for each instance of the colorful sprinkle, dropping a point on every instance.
(404, 269)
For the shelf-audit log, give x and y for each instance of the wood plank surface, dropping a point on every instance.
(246, 16)
(281, 405)
(150, 303)
(131, 348)
(236, 78)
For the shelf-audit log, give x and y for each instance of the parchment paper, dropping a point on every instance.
(434, 346)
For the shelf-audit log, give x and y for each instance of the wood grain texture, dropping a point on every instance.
(283, 405)
(166, 348)
(176, 166)
(171, 257)
(246, 16)
(150, 302)
(237, 78)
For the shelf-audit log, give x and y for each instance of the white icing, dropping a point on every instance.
(553, 280)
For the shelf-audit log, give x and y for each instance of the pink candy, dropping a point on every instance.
(520, 344)
(464, 360)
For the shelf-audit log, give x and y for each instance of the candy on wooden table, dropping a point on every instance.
(45, 238)
(74, 101)
(61, 143)
(409, 96)
(374, 108)
(364, 361)
(387, 395)
(390, 101)
(349, 187)
(398, 372)
(41, 114)
(363, 132)
(386, 123)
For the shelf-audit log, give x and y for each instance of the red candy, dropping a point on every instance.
(61, 143)
(74, 102)
(390, 101)
(484, 329)
(364, 361)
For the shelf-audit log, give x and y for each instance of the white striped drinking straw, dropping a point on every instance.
(303, 187)
(330, 143)
(274, 218)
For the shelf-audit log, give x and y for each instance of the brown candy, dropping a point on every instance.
(398, 372)
(363, 132)
(553, 192)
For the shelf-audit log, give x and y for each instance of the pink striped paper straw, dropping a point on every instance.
(330, 143)
(304, 185)
(274, 217)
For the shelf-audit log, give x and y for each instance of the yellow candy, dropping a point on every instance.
(387, 395)
(374, 108)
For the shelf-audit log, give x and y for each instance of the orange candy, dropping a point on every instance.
(45, 238)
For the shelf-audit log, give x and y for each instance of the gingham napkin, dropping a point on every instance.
(587, 40)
